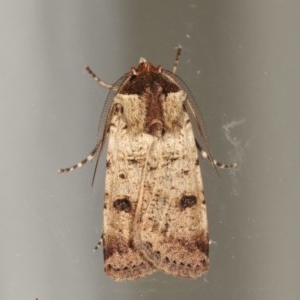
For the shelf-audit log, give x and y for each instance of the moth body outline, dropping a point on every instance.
(154, 209)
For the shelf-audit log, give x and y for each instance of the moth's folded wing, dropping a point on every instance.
(172, 219)
(125, 164)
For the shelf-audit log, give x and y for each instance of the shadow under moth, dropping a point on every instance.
(154, 209)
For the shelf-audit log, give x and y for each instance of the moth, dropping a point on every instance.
(154, 208)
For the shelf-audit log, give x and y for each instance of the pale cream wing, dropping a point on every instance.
(126, 156)
(171, 221)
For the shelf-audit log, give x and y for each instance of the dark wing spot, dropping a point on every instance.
(187, 201)
(123, 205)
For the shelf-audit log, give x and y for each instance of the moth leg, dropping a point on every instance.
(216, 163)
(81, 163)
(97, 79)
(98, 147)
(99, 244)
(177, 57)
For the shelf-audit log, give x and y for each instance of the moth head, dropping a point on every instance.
(145, 67)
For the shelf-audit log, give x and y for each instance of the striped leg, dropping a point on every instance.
(177, 57)
(99, 145)
(99, 244)
(215, 163)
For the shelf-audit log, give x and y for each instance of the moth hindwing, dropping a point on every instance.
(154, 210)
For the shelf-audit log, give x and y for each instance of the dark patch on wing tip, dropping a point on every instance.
(197, 162)
(187, 201)
(204, 263)
(202, 243)
(123, 204)
(108, 164)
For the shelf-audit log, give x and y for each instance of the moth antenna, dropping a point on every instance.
(95, 170)
(98, 79)
(81, 163)
(177, 58)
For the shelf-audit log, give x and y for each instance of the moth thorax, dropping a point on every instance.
(145, 67)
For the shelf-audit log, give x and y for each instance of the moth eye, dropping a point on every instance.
(122, 205)
(187, 201)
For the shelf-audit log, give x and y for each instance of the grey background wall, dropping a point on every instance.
(241, 61)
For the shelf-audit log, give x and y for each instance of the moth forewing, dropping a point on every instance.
(170, 222)
(126, 155)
